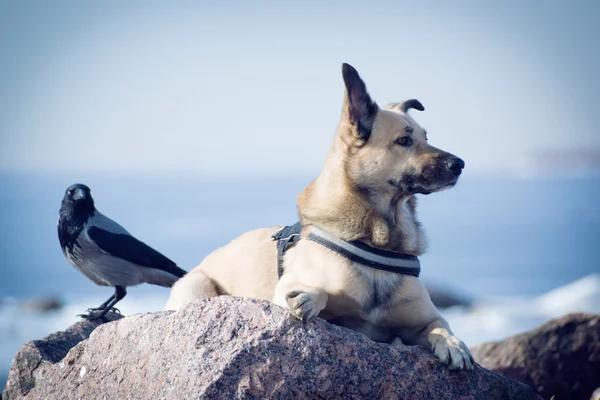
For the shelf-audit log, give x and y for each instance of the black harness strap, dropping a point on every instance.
(286, 238)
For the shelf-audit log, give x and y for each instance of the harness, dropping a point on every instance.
(355, 251)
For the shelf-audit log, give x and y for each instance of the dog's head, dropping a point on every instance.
(386, 149)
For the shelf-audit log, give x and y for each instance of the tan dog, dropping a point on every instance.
(366, 191)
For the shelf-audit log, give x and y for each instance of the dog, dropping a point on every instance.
(365, 193)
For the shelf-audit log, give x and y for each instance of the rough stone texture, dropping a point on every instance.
(228, 347)
(560, 358)
(37, 357)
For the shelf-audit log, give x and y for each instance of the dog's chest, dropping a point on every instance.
(374, 323)
(366, 304)
(380, 287)
(359, 297)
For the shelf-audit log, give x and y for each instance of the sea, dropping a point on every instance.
(523, 248)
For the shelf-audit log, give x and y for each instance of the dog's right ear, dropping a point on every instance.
(359, 110)
(405, 106)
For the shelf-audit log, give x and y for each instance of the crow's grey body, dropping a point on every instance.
(105, 252)
(106, 269)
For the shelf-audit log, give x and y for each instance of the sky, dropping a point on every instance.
(255, 88)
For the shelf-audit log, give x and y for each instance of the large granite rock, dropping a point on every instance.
(560, 358)
(228, 347)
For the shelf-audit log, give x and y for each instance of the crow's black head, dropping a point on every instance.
(76, 208)
(78, 199)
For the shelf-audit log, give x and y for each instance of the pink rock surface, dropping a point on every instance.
(227, 347)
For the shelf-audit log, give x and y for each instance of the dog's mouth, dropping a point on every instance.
(439, 188)
(412, 184)
(431, 188)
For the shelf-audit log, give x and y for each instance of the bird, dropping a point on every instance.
(105, 252)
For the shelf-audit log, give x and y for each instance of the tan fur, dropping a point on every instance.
(353, 199)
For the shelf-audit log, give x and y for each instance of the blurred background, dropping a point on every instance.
(193, 122)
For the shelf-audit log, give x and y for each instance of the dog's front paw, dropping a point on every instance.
(452, 351)
(302, 305)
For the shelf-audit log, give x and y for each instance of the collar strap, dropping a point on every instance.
(362, 253)
(356, 251)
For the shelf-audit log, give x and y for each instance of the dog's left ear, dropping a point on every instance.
(359, 109)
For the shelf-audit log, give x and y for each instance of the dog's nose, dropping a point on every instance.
(456, 165)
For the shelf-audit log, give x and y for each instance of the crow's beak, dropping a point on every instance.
(79, 194)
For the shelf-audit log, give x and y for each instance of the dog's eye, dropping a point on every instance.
(404, 141)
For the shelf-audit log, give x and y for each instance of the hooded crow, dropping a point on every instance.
(105, 252)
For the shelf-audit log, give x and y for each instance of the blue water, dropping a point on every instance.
(490, 237)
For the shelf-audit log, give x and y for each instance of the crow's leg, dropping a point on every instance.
(120, 292)
(102, 306)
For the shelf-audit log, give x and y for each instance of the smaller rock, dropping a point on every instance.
(41, 304)
(443, 297)
(560, 358)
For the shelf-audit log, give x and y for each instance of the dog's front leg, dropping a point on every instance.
(447, 347)
(304, 302)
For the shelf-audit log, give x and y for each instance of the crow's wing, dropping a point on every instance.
(129, 248)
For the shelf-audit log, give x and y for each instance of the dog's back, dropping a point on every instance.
(247, 267)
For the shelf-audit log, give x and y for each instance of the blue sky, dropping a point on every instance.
(254, 88)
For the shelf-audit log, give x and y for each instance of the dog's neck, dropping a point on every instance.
(333, 203)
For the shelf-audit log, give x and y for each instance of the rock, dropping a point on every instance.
(41, 304)
(229, 347)
(37, 357)
(560, 358)
(443, 297)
